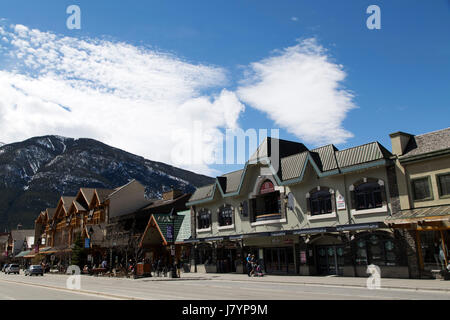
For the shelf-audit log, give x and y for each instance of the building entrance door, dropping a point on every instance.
(330, 259)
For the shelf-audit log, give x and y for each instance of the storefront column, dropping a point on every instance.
(419, 251)
(444, 248)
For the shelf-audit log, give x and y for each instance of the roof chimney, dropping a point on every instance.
(399, 141)
(172, 194)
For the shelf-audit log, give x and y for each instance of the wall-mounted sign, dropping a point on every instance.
(169, 232)
(87, 242)
(267, 187)
(302, 256)
(340, 202)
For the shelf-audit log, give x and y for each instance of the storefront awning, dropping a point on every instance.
(315, 230)
(22, 254)
(361, 226)
(419, 215)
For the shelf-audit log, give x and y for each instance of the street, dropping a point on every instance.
(52, 286)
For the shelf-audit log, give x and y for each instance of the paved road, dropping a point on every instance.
(16, 291)
(199, 289)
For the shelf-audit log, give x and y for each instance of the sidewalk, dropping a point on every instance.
(386, 283)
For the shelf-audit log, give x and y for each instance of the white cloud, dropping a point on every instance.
(294, 18)
(150, 102)
(132, 98)
(300, 89)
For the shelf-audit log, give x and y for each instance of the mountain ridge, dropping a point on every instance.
(35, 172)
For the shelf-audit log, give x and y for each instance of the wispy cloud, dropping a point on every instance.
(294, 18)
(300, 88)
(140, 99)
(130, 97)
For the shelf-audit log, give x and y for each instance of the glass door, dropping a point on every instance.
(330, 260)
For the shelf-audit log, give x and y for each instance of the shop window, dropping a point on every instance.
(226, 215)
(320, 201)
(421, 189)
(368, 196)
(376, 249)
(266, 207)
(204, 219)
(444, 185)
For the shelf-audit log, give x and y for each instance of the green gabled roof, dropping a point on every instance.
(182, 224)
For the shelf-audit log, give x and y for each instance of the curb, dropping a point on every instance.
(344, 285)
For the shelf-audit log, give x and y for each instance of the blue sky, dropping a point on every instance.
(399, 76)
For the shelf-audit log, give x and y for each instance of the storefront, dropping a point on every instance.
(429, 231)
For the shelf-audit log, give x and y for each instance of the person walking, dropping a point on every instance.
(253, 263)
(249, 264)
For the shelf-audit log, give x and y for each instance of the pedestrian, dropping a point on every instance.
(253, 267)
(249, 264)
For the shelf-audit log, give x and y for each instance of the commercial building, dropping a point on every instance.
(422, 166)
(301, 211)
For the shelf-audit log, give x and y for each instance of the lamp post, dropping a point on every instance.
(173, 216)
(91, 232)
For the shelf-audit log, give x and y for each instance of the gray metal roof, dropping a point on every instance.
(326, 159)
(291, 167)
(361, 154)
(202, 193)
(419, 213)
(428, 142)
(232, 181)
(292, 162)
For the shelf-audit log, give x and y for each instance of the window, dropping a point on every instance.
(226, 215)
(368, 196)
(377, 249)
(444, 185)
(204, 219)
(320, 202)
(421, 189)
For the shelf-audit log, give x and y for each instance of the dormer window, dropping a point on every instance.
(226, 215)
(368, 196)
(204, 219)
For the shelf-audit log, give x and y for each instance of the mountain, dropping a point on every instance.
(34, 173)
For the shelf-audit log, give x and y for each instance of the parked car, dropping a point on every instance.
(13, 268)
(4, 267)
(34, 269)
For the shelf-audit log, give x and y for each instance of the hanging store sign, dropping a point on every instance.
(267, 187)
(170, 232)
(87, 243)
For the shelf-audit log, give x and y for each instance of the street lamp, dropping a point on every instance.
(173, 216)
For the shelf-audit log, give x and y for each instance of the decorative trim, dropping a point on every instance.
(382, 209)
(322, 216)
(204, 230)
(259, 223)
(220, 228)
